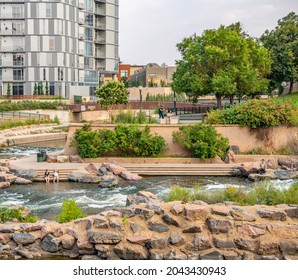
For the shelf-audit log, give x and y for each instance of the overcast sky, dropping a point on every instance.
(150, 29)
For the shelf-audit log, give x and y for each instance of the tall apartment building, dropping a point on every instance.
(67, 44)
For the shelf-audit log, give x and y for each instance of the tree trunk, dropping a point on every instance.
(291, 87)
(218, 99)
(232, 99)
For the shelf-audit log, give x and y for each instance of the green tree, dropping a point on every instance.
(125, 81)
(282, 43)
(41, 88)
(111, 93)
(225, 62)
(8, 91)
(47, 88)
(35, 89)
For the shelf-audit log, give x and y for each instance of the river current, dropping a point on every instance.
(45, 201)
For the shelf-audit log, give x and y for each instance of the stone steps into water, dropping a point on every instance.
(161, 170)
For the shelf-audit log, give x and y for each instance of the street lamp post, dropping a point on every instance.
(140, 90)
(175, 102)
(283, 84)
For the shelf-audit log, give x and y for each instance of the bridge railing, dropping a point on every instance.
(22, 115)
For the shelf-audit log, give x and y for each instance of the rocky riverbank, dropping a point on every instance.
(151, 229)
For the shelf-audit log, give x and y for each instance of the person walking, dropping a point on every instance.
(169, 116)
(160, 112)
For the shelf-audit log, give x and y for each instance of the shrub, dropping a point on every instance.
(202, 140)
(69, 211)
(27, 105)
(133, 141)
(256, 113)
(179, 194)
(261, 194)
(15, 214)
(128, 140)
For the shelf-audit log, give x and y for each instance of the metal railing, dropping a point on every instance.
(22, 115)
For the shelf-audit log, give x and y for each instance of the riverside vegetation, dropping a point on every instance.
(261, 194)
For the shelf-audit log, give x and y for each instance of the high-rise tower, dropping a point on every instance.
(66, 44)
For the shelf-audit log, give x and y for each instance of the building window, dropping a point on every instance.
(88, 34)
(17, 89)
(88, 49)
(52, 88)
(48, 10)
(17, 11)
(18, 74)
(91, 77)
(18, 60)
(49, 59)
(89, 19)
(18, 44)
(124, 73)
(51, 43)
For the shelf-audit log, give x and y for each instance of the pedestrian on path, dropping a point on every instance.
(160, 112)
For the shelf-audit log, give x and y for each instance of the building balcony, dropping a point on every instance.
(81, 65)
(12, 32)
(100, 55)
(100, 41)
(100, 26)
(100, 12)
(81, 5)
(12, 15)
(18, 78)
(101, 1)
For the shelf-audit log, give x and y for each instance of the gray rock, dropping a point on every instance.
(289, 247)
(89, 179)
(155, 206)
(146, 213)
(285, 174)
(108, 181)
(176, 239)
(74, 176)
(141, 240)
(50, 244)
(7, 229)
(128, 176)
(242, 215)
(24, 238)
(100, 223)
(140, 197)
(272, 215)
(219, 226)
(115, 224)
(104, 237)
(24, 253)
(136, 228)
(90, 258)
(268, 247)
(245, 244)
(193, 229)
(158, 227)
(223, 244)
(102, 170)
(22, 181)
(200, 243)
(159, 244)
(170, 221)
(213, 255)
(156, 255)
(292, 212)
(131, 252)
(29, 174)
(175, 255)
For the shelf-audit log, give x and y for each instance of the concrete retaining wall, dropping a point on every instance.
(243, 137)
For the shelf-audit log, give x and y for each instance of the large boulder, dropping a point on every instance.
(230, 157)
(108, 180)
(24, 173)
(249, 168)
(4, 185)
(91, 168)
(116, 169)
(75, 159)
(288, 162)
(62, 159)
(128, 176)
(22, 181)
(51, 159)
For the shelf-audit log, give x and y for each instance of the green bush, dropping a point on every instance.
(128, 140)
(179, 194)
(15, 123)
(69, 211)
(261, 194)
(15, 214)
(256, 113)
(202, 140)
(133, 141)
(28, 105)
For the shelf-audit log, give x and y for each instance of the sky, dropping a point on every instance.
(150, 29)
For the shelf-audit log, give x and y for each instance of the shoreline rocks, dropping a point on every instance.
(177, 231)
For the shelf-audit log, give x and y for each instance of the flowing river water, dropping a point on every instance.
(45, 201)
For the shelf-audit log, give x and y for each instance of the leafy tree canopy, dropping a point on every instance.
(112, 93)
(282, 43)
(225, 61)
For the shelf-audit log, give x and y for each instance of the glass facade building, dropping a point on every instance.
(68, 44)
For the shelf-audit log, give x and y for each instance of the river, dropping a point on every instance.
(45, 201)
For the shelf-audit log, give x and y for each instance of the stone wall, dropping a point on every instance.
(243, 137)
(151, 229)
